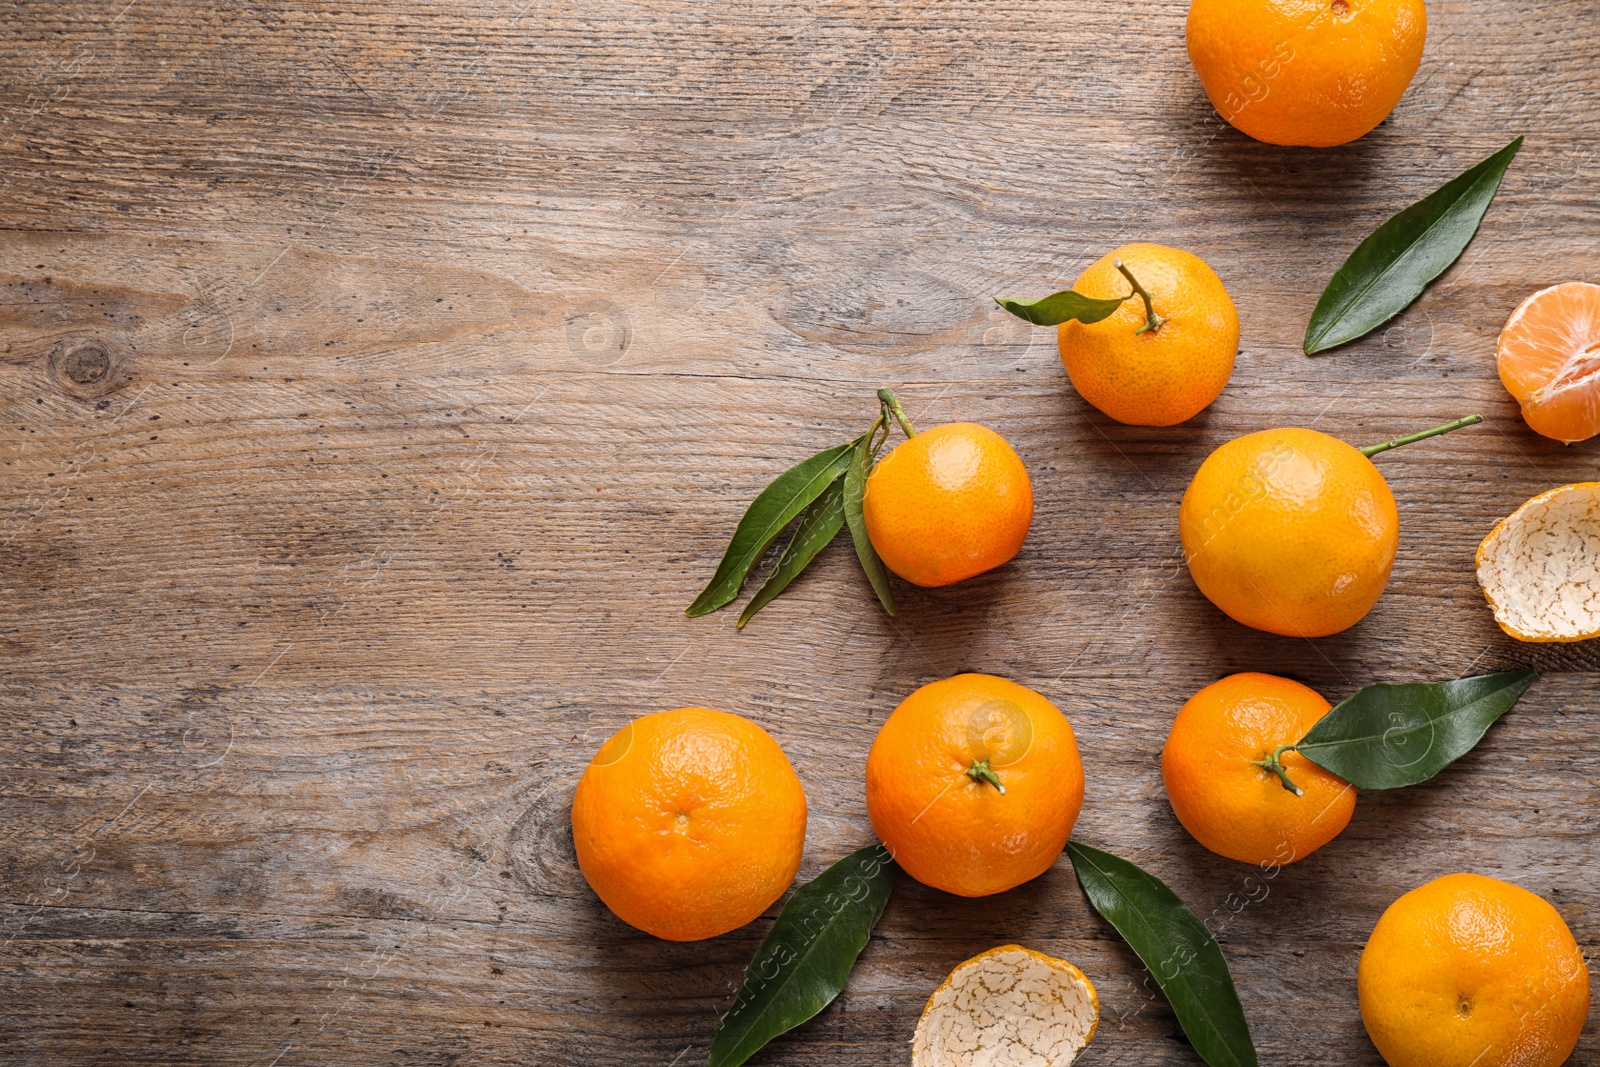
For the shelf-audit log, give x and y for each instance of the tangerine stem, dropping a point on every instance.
(1273, 764)
(891, 403)
(980, 772)
(873, 444)
(1372, 450)
(1152, 321)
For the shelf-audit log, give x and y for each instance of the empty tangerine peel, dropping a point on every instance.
(1007, 1007)
(1540, 566)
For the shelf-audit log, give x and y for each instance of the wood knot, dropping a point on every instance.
(539, 848)
(89, 367)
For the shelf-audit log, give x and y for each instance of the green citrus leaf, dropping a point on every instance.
(1175, 945)
(1060, 307)
(855, 491)
(818, 524)
(807, 958)
(1391, 267)
(1388, 736)
(777, 505)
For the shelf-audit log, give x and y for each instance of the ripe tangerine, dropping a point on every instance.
(1290, 531)
(974, 783)
(1470, 971)
(689, 823)
(1141, 373)
(1220, 790)
(951, 502)
(1306, 72)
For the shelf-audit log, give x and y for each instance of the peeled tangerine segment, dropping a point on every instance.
(1549, 359)
(1540, 567)
(1008, 1007)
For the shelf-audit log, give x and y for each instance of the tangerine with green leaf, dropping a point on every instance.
(1167, 351)
(942, 506)
(974, 784)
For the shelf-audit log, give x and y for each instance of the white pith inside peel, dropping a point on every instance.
(1008, 1007)
(1540, 566)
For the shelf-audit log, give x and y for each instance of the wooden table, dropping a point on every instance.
(381, 381)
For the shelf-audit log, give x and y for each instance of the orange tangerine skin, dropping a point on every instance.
(1470, 970)
(1549, 360)
(1235, 808)
(1160, 377)
(689, 823)
(949, 503)
(1306, 72)
(965, 836)
(1290, 531)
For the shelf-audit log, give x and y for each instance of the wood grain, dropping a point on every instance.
(380, 381)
